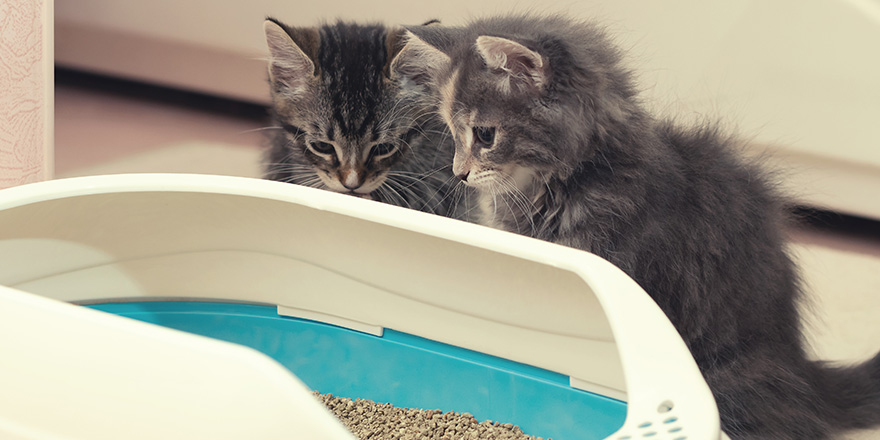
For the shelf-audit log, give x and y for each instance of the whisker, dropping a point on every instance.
(449, 192)
(406, 189)
(261, 129)
(520, 200)
(402, 199)
(416, 178)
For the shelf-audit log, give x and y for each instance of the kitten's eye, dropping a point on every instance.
(485, 135)
(322, 148)
(382, 150)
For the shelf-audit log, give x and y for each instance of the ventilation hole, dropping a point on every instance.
(670, 420)
(649, 434)
(675, 429)
(626, 437)
(680, 438)
(645, 425)
(665, 406)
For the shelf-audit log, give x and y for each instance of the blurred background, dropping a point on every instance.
(180, 86)
(798, 78)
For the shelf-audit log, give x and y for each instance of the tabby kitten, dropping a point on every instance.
(549, 130)
(350, 125)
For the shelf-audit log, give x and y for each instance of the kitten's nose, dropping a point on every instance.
(463, 176)
(351, 181)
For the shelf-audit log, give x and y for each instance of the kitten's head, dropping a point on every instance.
(347, 118)
(526, 99)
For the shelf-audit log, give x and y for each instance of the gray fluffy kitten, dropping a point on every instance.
(549, 130)
(349, 124)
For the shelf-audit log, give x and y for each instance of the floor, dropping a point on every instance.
(100, 132)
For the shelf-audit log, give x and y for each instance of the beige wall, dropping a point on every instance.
(26, 84)
(797, 77)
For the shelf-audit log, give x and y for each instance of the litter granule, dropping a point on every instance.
(371, 420)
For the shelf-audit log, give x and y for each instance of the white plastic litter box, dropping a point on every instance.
(299, 289)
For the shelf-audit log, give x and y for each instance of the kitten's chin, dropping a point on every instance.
(338, 188)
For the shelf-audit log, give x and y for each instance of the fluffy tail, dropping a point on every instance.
(852, 393)
(797, 400)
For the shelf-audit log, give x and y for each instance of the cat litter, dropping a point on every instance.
(301, 290)
(367, 419)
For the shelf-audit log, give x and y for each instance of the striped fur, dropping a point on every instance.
(346, 122)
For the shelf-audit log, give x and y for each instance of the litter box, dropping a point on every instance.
(188, 306)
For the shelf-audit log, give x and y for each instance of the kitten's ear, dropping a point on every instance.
(289, 63)
(519, 68)
(394, 42)
(396, 39)
(419, 60)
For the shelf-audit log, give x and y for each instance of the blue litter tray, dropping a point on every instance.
(397, 368)
(359, 299)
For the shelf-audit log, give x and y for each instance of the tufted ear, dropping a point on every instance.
(394, 41)
(289, 63)
(518, 67)
(422, 57)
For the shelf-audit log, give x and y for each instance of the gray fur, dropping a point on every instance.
(698, 227)
(332, 87)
